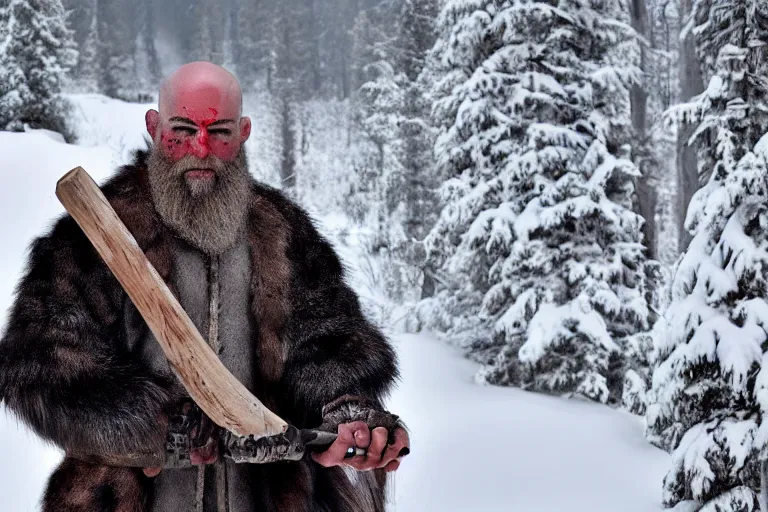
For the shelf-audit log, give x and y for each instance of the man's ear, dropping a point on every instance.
(245, 129)
(152, 118)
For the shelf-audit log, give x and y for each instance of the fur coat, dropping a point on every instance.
(65, 369)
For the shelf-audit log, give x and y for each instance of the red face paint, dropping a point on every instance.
(201, 121)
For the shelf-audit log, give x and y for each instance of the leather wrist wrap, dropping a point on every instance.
(349, 408)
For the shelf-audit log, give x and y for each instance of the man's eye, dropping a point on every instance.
(220, 131)
(184, 129)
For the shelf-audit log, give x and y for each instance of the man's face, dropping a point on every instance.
(199, 123)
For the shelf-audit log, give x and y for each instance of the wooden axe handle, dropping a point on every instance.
(223, 398)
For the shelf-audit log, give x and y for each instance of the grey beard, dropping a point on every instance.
(209, 216)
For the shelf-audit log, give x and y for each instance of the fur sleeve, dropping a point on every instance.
(63, 370)
(334, 349)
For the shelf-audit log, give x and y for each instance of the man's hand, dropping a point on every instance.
(197, 430)
(152, 472)
(197, 456)
(379, 453)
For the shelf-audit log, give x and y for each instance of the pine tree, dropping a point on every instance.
(291, 66)
(254, 42)
(467, 138)
(692, 83)
(117, 50)
(37, 51)
(394, 153)
(539, 252)
(663, 85)
(288, 74)
(202, 43)
(379, 104)
(80, 19)
(415, 185)
(79, 15)
(709, 389)
(87, 71)
(371, 42)
(146, 60)
(336, 19)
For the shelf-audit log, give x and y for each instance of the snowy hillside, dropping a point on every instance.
(474, 448)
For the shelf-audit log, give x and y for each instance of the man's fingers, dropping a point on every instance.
(198, 457)
(372, 458)
(206, 454)
(392, 466)
(399, 448)
(152, 472)
(378, 454)
(334, 455)
(363, 437)
(362, 434)
(378, 445)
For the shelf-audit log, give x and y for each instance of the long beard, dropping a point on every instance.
(208, 215)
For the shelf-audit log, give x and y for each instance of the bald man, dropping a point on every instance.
(79, 365)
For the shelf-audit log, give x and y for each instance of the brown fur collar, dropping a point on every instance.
(268, 234)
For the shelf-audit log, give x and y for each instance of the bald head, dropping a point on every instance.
(200, 113)
(205, 87)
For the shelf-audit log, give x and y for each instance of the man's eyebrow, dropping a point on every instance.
(182, 120)
(189, 121)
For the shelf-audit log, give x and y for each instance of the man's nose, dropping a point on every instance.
(200, 146)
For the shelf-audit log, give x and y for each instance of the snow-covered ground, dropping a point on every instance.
(500, 449)
(474, 448)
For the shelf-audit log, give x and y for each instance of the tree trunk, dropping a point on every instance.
(317, 82)
(286, 91)
(288, 164)
(149, 35)
(234, 31)
(691, 84)
(645, 205)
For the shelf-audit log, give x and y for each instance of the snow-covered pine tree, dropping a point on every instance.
(664, 89)
(467, 140)
(81, 19)
(414, 187)
(292, 60)
(691, 83)
(376, 101)
(379, 105)
(337, 19)
(370, 37)
(147, 72)
(117, 49)
(253, 43)
(538, 247)
(37, 51)
(87, 70)
(653, 148)
(709, 389)
(202, 43)
(392, 111)
(645, 156)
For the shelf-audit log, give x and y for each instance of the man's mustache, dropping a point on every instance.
(189, 163)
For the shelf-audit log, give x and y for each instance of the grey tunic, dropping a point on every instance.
(176, 489)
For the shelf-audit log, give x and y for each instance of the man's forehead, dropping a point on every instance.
(201, 92)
